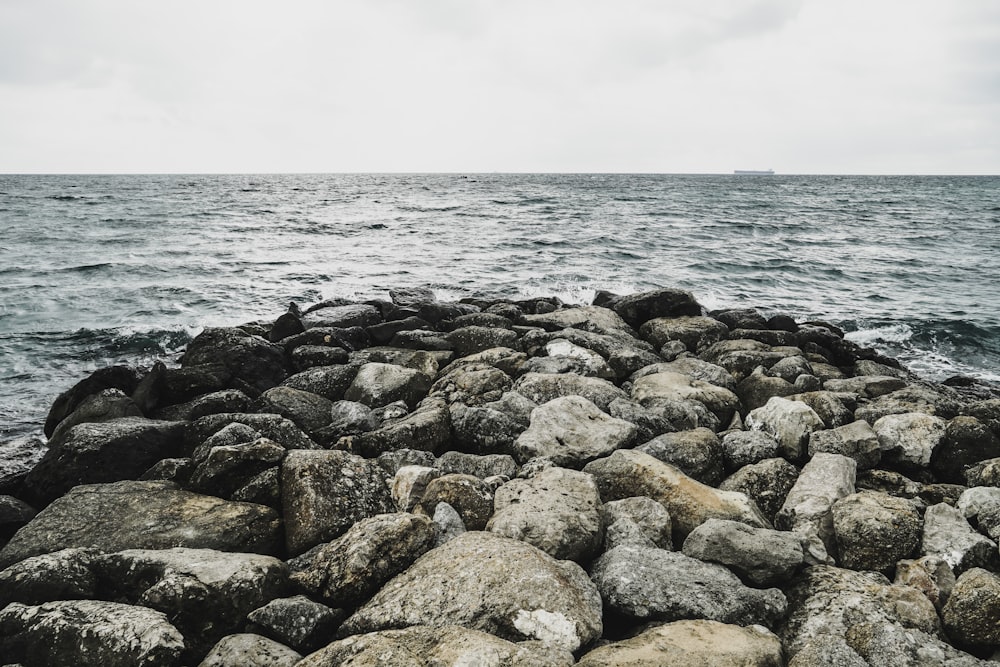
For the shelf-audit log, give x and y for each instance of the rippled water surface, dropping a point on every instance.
(98, 269)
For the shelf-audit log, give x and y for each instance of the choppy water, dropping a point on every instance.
(100, 269)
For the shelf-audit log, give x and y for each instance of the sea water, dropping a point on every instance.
(98, 270)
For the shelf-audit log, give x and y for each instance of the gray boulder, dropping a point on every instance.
(472, 384)
(490, 583)
(741, 448)
(481, 466)
(427, 428)
(693, 367)
(342, 316)
(593, 319)
(297, 622)
(761, 556)
(557, 510)
(931, 575)
(638, 520)
(225, 469)
(330, 382)
(17, 458)
(67, 574)
(875, 530)
(256, 364)
(105, 405)
(972, 613)
(808, 508)
(324, 493)
(77, 633)
(224, 400)
(309, 411)
(145, 515)
(636, 309)
(349, 570)
(470, 496)
(305, 357)
(759, 387)
(654, 584)
(473, 339)
(409, 485)
(273, 427)
(543, 387)
(697, 453)
(250, 650)
(767, 483)
(695, 331)
(966, 442)
(909, 439)
(833, 408)
(856, 440)
(378, 384)
(790, 422)
(672, 386)
(948, 535)
(571, 431)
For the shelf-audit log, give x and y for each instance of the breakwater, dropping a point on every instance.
(540, 482)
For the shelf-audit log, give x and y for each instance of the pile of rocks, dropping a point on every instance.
(502, 482)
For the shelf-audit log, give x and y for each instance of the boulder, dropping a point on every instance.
(767, 483)
(92, 453)
(984, 473)
(256, 364)
(557, 510)
(593, 319)
(309, 411)
(67, 574)
(470, 496)
(144, 515)
(649, 584)
(472, 384)
(695, 331)
(866, 386)
(296, 622)
(349, 570)
(342, 316)
(694, 368)
(790, 422)
(856, 440)
(426, 646)
(330, 382)
(807, 510)
(972, 613)
(740, 356)
(637, 520)
(14, 513)
(628, 473)
(250, 650)
(17, 458)
(695, 643)
(473, 339)
(875, 530)
(909, 439)
(571, 431)
(482, 466)
(427, 428)
(931, 575)
(224, 400)
(78, 633)
(325, 492)
(543, 387)
(225, 469)
(949, 536)
(449, 523)
(378, 384)
(760, 556)
(485, 430)
(409, 485)
(934, 400)
(834, 409)
(672, 386)
(697, 453)
(490, 583)
(105, 405)
(271, 426)
(637, 309)
(742, 448)
(590, 362)
(305, 357)
(966, 442)
(122, 378)
(759, 387)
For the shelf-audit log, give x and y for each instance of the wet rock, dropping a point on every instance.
(790, 422)
(105, 405)
(349, 570)
(273, 427)
(17, 458)
(382, 333)
(101, 452)
(342, 317)
(148, 515)
(325, 492)
(761, 556)
(910, 438)
(654, 584)
(472, 384)
(677, 387)
(966, 442)
(824, 480)
(427, 428)
(639, 521)
(741, 357)
(307, 410)
(636, 309)
(628, 473)
(349, 418)
(227, 468)
(767, 483)
(250, 650)
(856, 440)
(426, 646)
(330, 382)
(697, 642)
(557, 510)
(378, 384)
(931, 575)
(697, 453)
(67, 574)
(470, 340)
(972, 613)
(409, 485)
(949, 536)
(571, 431)
(297, 622)
(14, 513)
(121, 378)
(490, 583)
(741, 448)
(468, 495)
(257, 364)
(696, 332)
(541, 388)
(874, 530)
(76, 633)
(510, 362)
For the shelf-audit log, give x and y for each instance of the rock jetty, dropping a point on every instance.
(407, 481)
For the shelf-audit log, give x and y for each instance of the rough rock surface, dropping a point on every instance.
(761, 556)
(790, 422)
(808, 508)
(296, 622)
(571, 431)
(250, 650)
(637, 520)
(874, 530)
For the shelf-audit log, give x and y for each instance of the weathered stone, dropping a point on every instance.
(250, 650)
(790, 368)
(449, 523)
(761, 556)
(383, 333)
(741, 357)
(695, 331)
(694, 643)
(67, 574)
(378, 384)
(425, 646)
(697, 453)
(425, 361)
(638, 520)
(17, 458)
(504, 359)
(256, 363)
(307, 410)
(766, 483)
(931, 575)
(984, 473)
(966, 442)
(571, 431)
(482, 467)
(468, 495)
(856, 440)
(472, 384)
(694, 368)
(557, 510)
(593, 319)
(342, 316)
(909, 439)
(759, 387)
(948, 535)
(91, 453)
(349, 570)
(834, 409)
(227, 468)
(663, 417)
(972, 613)
(325, 492)
(866, 386)
(591, 362)
(874, 530)
(935, 400)
(495, 584)
(654, 584)
(330, 382)
(14, 513)
(470, 340)
(105, 405)
(427, 428)
(807, 510)
(484, 430)
(677, 387)
(305, 357)
(123, 378)
(273, 427)
(78, 633)
(741, 448)
(628, 473)
(542, 388)
(790, 422)
(224, 400)
(297, 622)
(144, 515)
(409, 485)
(392, 461)
(636, 309)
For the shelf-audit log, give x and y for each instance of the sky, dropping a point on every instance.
(677, 86)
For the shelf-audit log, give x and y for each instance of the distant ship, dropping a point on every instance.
(754, 172)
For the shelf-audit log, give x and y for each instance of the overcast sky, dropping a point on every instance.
(802, 86)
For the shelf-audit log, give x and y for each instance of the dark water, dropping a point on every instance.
(100, 269)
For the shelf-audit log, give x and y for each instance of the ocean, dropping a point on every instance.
(98, 270)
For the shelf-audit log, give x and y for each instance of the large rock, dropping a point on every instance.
(742, 448)
(76, 633)
(670, 386)
(227, 468)
(856, 440)
(92, 453)
(470, 496)
(425, 646)
(342, 316)
(697, 643)
(875, 530)
(250, 650)
(697, 452)
(808, 508)
(628, 473)
(654, 584)
(309, 411)
(17, 458)
(636, 309)
(557, 510)
(966, 442)
(790, 422)
(325, 492)
(767, 483)
(473, 339)
(256, 364)
(696, 332)
(330, 382)
(103, 406)
(495, 584)
(948, 535)
(297, 622)
(271, 426)
(571, 431)
(638, 520)
(428, 428)
(145, 515)
(377, 385)
(349, 570)
(472, 384)
(123, 378)
(909, 439)
(972, 613)
(67, 574)
(594, 319)
(761, 556)
(544, 387)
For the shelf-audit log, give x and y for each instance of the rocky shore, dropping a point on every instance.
(509, 482)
